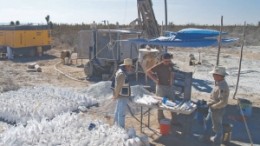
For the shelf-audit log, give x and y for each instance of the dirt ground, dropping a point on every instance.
(13, 75)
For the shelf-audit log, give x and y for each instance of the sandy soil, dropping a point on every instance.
(13, 75)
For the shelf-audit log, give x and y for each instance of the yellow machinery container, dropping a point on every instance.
(25, 39)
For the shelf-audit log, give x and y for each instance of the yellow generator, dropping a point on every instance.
(25, 40)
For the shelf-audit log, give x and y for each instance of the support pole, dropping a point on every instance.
(219, 41)
(238, 75)
(166, 21)
(166, 14)
(240, 61)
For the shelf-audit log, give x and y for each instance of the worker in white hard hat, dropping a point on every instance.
(121, 91)
(217, 103)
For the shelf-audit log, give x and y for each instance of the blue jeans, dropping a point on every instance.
(213, 121)
(120, 111)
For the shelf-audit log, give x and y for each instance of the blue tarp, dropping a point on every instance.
(184, 43)
(194, 33)
(189, 37)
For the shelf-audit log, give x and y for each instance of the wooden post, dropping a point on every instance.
(240, 61)
(219, 41)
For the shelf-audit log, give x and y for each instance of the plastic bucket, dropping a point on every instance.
(246, 107)
(165, 126)
(227, 132)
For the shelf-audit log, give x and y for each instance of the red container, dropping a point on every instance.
(165, 126)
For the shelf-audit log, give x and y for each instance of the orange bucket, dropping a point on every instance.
(165, 126)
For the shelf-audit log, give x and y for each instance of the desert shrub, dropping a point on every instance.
(68, 34)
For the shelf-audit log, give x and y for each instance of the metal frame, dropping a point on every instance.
(186, 78)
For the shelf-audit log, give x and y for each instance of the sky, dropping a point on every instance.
(204, 12)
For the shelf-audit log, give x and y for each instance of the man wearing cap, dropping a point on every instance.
(162, 74)
(217, 103)
(121, 91)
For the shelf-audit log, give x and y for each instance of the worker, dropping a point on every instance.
(192, 60)
(217, 104)
(121, 91)
(163, 76)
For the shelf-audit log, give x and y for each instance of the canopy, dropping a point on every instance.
(190, 37)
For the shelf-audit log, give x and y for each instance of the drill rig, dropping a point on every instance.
(107, 48)
(147, 19)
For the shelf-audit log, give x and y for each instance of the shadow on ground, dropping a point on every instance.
(239, 136)
(202, 85)
(239, 132)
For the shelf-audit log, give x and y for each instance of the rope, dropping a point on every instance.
(66, 75)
